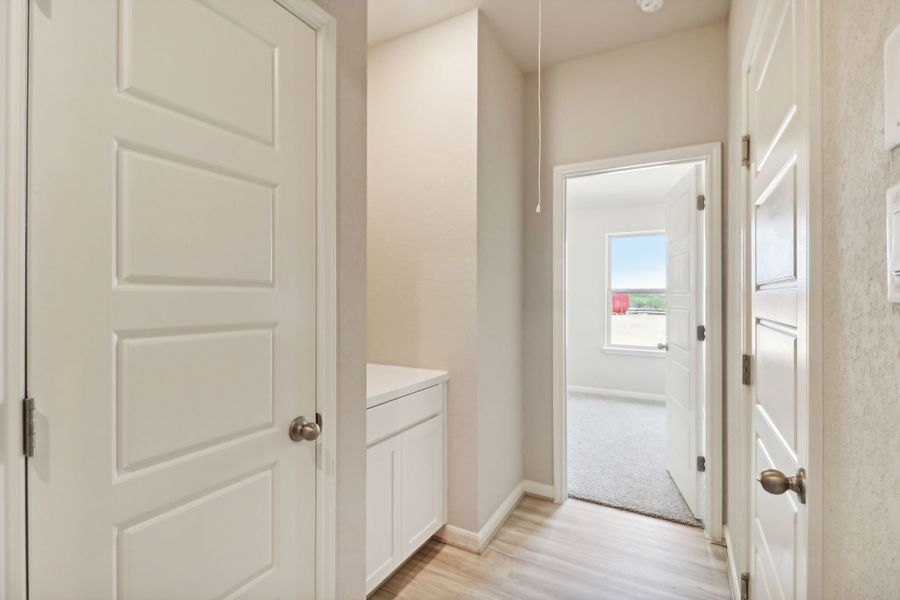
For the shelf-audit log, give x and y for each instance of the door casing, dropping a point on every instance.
(13, 187)
(710, 154)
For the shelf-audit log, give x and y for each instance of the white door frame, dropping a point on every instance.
(712, 317)
(13, 178)
(738, 530)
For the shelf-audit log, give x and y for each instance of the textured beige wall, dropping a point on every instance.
(862, 333)
(665, 93)
(500, 124)
(422, 225)
(351, 259)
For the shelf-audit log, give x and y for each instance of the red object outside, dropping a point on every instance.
(619, 304)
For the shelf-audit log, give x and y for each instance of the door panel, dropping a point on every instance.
(383, 509)
(779, 331)
(423, 482)
(160, 202)
(226, 77)
(179, 379)
(227, 533)
(682, 383)
(171, 300)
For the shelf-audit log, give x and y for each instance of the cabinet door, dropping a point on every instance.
(383, 479)
(423, 482)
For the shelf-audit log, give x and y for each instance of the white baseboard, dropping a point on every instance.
(617, 393)
(477, 542)
(540, 490)
(458, 537)
(733, 577)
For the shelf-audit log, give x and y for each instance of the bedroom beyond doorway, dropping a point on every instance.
(634, 355)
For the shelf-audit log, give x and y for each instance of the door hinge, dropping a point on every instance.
(701, 202)
(745, 369)
(745, 586)
(28, 441)
(745, 151)
(701, 463)
(701, 333)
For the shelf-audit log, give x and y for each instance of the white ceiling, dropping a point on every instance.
(572, 28)
(634, 187)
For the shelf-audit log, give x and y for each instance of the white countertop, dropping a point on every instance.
(387, 382)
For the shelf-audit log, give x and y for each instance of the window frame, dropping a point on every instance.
(608, 346)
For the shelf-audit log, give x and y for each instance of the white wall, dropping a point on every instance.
(862, 333)
(444, 241)
(422, 235)
(351, 290)
(587, 364)
(500, 140)
(665, 93)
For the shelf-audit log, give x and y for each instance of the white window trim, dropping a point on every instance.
(634, 351)
(608, 346)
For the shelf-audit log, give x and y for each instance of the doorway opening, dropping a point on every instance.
(636, 324)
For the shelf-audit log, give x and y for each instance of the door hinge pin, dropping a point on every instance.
(701, 202)
(701, 333)
(745, 586)
(745, 369)
(701, 463)
(745, 151)
(28, 433)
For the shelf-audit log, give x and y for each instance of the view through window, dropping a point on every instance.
(637, 290)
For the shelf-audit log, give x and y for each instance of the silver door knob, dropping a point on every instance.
(661, 346)
(304, 429)
(776, 482)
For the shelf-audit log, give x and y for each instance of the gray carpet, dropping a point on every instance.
(617, 457)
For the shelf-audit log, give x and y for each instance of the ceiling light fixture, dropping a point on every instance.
(650, 6)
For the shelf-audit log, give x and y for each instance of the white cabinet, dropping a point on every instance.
(405, 472)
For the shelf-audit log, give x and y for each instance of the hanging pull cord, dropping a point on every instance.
(540, 111)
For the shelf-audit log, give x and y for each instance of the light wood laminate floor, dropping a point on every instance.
(574, 551)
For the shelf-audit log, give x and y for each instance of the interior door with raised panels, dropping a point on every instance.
(779, 247)
(171, 299)
(682, 382)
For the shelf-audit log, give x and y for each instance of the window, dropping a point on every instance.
(636, 294)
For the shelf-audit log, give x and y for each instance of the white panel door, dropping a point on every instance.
(779, 199)
(682, 381)
(171, 299)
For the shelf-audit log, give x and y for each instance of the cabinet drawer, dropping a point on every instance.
(397, 415)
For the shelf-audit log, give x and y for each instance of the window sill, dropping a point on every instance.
(623, 351)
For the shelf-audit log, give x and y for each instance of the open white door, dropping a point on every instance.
(171, 299)
(779, 331)
(683, 288)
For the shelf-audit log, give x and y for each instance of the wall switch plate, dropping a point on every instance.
(893, 243)
(892, 90)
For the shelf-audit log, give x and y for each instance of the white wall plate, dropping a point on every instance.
(892, 90)
(893, 243)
